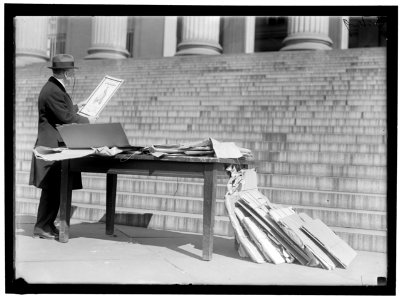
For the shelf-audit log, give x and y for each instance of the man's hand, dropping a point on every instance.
(92, 120)
(81, 104)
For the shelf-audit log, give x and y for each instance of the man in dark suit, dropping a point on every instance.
(55, 107)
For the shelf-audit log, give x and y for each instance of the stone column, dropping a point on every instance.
(338, 32)
(249, 34)
(30, 40)
(109, 36)
(200, 36)
(308, 33)
(170, 36)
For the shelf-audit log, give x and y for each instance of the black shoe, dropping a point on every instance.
(54, 230)
(39, 232)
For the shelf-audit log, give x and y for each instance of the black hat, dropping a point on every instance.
(63, 61)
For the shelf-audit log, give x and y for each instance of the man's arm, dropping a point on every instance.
(57, 104)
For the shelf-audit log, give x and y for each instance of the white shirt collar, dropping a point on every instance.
(60, 82)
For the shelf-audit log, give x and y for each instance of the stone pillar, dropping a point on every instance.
(249, 34)
(31, 40)
(109, 37)
(200, 36)
(170, 36)
(338, 32)
(308, 33)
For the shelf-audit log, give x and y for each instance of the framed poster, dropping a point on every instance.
(100, 96)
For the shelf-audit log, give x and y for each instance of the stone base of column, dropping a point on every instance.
(106, 53)
(307, 42)
(197, 48)
(23, 59)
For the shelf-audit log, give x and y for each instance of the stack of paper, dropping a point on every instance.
(278, 234)
(330, 242)
(56, 154)
(207, 147)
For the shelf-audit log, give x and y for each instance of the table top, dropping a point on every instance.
(184, 158)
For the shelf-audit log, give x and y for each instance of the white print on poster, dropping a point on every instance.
(100, 96)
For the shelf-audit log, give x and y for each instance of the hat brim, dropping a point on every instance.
(63, 68)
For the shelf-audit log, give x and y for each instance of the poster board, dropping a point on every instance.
(99, 98)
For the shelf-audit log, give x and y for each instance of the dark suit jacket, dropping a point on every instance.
(55, 108)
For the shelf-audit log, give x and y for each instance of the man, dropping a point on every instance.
(55, 108)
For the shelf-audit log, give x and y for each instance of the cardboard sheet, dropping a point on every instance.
(294, 223)
(278, 234)
(86, 136)
(332, 243)
(261, 240)
(246, 245)
(226, 149)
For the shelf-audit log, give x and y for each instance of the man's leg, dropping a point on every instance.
(49, 203)
(44, 210)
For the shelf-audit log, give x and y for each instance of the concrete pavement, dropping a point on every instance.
(144, 256)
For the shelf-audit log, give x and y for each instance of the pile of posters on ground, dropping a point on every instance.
(266, 232)
(207, 147)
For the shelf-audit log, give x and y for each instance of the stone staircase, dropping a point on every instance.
(315, 121)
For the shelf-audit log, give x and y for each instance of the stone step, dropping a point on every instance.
(256, 114)
(22, 121)
(373, 220)
(267, 115)
(356, 159)
(316, 129)
(284, 181)
(189, 103)
(359, 219)
(204, 89)
(231, 88)
(364, 240)
(178, 136)
(235, 105)
(164, 220)
(209, 70)
(296, 157)
(330, 170)
(359, 239)
(328, 199)
(263, 60)
(167, 188)
(255, 73)
(30, 96)
(24, 145)
(239, 82)
(319, 128)
(28, 125)
(116, 108)
(239, 128)
(299, 167)
(245, 136)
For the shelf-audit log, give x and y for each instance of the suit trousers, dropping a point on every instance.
(49, 202)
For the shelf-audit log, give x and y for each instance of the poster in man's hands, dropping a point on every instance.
(99, 98)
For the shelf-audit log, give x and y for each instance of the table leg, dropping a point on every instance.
(65, 201)
(111, 183)
(210, 175)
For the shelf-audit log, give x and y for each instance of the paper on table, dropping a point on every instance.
(55, 154)
(226, 149)
(47, 155)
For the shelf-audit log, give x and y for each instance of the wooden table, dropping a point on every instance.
(177, 166)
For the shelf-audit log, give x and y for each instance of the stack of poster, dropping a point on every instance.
(208, 147)
(266, 232)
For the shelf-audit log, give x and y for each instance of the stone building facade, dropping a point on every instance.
(121, 37)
